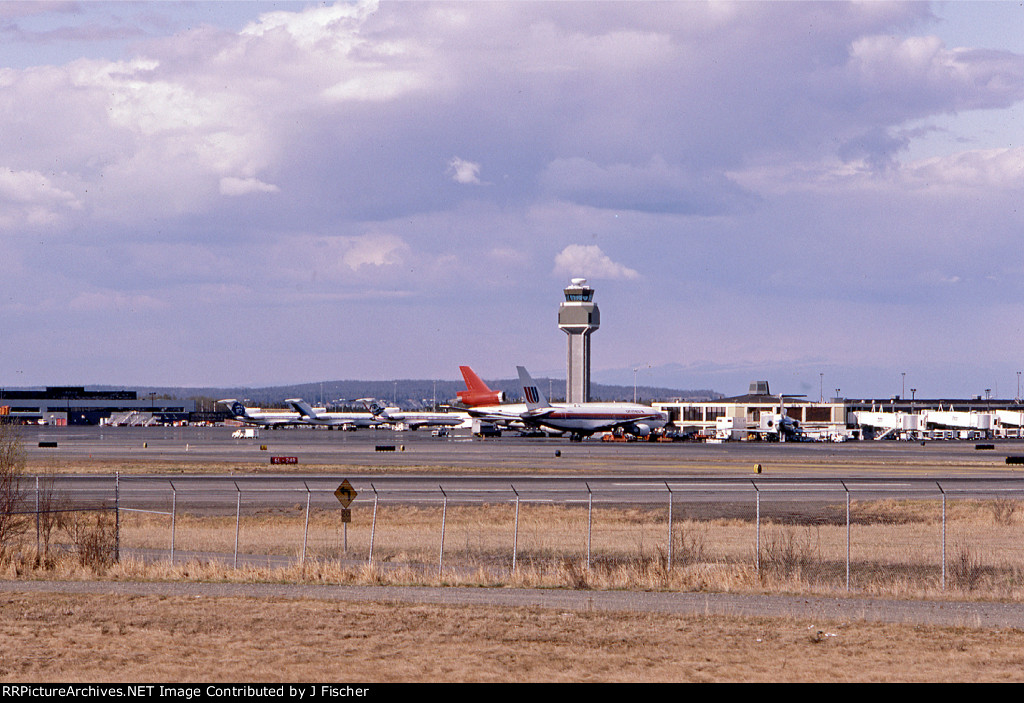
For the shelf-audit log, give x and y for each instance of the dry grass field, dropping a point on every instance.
(895, 547)
(89, 638)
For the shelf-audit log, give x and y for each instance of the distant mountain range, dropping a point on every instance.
(408, 393)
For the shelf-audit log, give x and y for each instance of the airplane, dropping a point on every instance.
(584, 419)
(779, 426)
(343, 420)
(488, 406)
(413, 420)
(477, 392)
(262, 419)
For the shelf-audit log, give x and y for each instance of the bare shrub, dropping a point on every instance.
(786, 554)
(966, 569)
(13, 520)
(1003, 510)
(50, 518)
(688, 546)
(93, 534)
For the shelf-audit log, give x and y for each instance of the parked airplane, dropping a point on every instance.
(488, 406)
(477, 392)
(413, 420)
(343, 420)
(262, 419)
(584, 419)
(780, 427)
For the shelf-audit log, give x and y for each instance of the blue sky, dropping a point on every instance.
(823, 195)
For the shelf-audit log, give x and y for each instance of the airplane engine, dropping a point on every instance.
(641, 430)
(472, 398)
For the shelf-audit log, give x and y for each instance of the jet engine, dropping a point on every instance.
(473, 398)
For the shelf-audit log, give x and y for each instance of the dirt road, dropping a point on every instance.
(983, 615)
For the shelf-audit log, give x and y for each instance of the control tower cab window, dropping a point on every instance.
(579, 297)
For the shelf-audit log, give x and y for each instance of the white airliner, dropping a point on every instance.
(319, 417)
(413, 420)
(583, 419)
(261, 419)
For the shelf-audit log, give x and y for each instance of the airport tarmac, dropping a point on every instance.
(176, 450)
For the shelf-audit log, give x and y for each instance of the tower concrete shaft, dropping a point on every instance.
(578, 317)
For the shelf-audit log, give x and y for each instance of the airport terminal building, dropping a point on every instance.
(759, 415)
(74, 405)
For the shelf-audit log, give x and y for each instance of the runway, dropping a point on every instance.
(208, 466)
(212, 449)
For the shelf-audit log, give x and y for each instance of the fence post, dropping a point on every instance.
(174, 516)
(238, 515)
(671, 497)
(757, 544)
(590, 521)
(515, 532)
(373, 525)
(943, 534)
(38, 553)
(847, 534)
(117, 517)
(305, 530)
(444, 514)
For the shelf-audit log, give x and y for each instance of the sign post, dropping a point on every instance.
(345, 495)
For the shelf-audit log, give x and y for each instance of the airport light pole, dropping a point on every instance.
(904, 392)
(635, 369)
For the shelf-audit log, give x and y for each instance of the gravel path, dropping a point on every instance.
(984, 615)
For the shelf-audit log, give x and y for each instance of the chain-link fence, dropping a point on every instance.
(882, 536)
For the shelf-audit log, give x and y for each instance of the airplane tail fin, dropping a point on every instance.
(303, 408)
(534, 398)
(477, 392)
(372, 405)
(473, 382)
(236, 409)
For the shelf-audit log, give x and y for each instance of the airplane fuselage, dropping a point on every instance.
(588, 418)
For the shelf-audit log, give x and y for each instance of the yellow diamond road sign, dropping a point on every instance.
(345, 493)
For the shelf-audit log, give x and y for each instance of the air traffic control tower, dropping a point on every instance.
(578, 317)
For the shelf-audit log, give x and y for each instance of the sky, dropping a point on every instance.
(822, 195)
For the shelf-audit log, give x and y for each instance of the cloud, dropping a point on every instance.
(655, 186)
(28, 198)
(463, 171)
(243, 186)
(589, 261)
(374, 250)
(726, 146)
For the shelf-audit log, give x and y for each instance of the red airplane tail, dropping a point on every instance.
(478, 392)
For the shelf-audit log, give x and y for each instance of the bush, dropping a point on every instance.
(94, 536)
(13, 520)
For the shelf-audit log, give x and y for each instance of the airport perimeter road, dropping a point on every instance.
(197, 449)
(819, 610)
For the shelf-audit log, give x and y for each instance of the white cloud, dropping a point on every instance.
(463, 171)
(313, 25)
(590, 262)
(374, 250)
(28, 198)
(244, 186)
